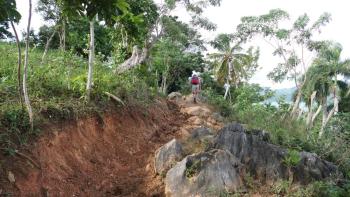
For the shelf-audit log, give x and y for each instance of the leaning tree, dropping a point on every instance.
(323, 79)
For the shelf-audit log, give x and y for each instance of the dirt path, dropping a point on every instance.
(104, 156)
(199, 114)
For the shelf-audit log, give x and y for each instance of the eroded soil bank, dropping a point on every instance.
(97, 156)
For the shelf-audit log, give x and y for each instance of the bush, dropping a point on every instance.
(335, 144)
(14, 125)
(219, 102)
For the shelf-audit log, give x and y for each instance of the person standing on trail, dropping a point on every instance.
(195, 82)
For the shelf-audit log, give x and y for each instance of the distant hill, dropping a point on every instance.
(287, 93)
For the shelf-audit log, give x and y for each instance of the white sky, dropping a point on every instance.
(228, 15)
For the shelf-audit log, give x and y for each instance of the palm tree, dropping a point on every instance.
(323, 77)
(233, 66)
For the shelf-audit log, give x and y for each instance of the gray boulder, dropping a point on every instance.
(265, 160)
(200, 134)
(167, 156)
(204, 174)
(311, 167)
(174, 96)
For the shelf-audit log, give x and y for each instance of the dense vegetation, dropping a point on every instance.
(141, 51)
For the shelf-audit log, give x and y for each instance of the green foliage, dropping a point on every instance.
(9, 13)
(105, 9)
(192, 168)
(248, 181)
(15, 122)
(57, 89)
(292, 158)
(211, 84)
(134, 28)
(77, 39)
(337, 142)
(285, 41)
(281, 187)
(180, 33)
(344, 104)
(49, 10)
(222, 193)
(233, 65)
(195, 9)
(248, 107)
(44, 34)
(219, 102)
(171, 61)
(222, 42)
(327, 189)
(315, 189)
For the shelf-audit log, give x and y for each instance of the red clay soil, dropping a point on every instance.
(98, 156)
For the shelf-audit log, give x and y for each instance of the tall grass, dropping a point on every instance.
(57, 90)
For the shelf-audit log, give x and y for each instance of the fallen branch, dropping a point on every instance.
(115, 98)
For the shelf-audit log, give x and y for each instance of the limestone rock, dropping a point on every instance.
(200, 133)
(174, 96)
(167, 155)
(265, 160)
(204, 174)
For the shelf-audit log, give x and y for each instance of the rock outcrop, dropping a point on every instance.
(167, 156)
(232, 153)
(174, 96)
(201, 134)
(265, 160)
(204, 174)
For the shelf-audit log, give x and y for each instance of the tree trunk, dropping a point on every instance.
(328, 116)
(164, 83)
(316, 114)
(60, 37)
(229, 78)
(137, 57)
(91, 60)
(19, 64)
(296, 104)
(47, 45)
(324, 114)
(25, 91)
(300, 114)
(297, 100)
(310, 113)
(64, 35)
(227, 89)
